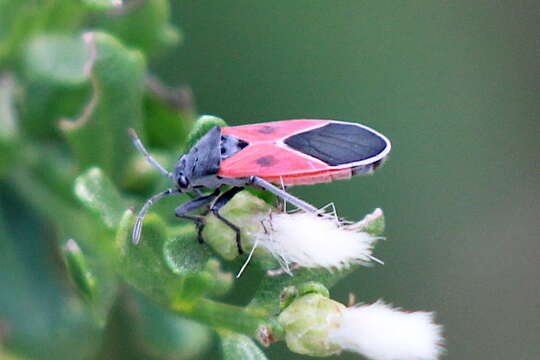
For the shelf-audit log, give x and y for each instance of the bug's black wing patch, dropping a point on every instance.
(338, 144)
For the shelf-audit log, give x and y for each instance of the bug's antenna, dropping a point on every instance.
(139, 145)
(137, 229)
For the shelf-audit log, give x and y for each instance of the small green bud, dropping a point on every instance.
(202, 125)
(240, 211)
(313, 287)
(307, 322)
(288, 295)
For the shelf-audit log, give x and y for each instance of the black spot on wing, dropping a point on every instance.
(267, 160)
(338, 143)
(266, 129)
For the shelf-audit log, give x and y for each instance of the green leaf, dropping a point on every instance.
(57, 58)
(177, 265)
(9, 135)
(8, 113)
(184, 254)
(141, 177)
(209, 282)
(222, 281)
(43, 102)
(97, 192)
(103, 4)
(52, 167)
(143, 266)
(145, 26)
(94, 277)
(202, 125)
(99, 137)
(42, 317)
(167, 336)
(239, 347)
(173, 114)
(81, 275)
(19, 20)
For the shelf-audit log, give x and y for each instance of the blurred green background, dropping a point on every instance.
(454, 85)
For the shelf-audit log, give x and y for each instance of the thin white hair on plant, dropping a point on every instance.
(382, 332)
(308, 240)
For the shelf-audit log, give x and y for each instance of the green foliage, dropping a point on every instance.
(77, 267)
(9, 136)
(57, 59)
(236, 346)
(98, 136)
(68, 176)
(99, 195)
(145, 26)
(102, 4)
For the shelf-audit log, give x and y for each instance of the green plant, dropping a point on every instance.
(73, 79)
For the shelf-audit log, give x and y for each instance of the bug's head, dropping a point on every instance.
(200, 162)
(182, 175)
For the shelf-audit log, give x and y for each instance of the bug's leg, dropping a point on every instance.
(136, 236)
(139, 145)
(282, 203)
(218, 204)
(195, 204)
(301, 204)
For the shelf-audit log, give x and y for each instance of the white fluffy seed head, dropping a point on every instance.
(312, 241)
(381, 332)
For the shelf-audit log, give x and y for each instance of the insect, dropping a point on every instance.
(289, 152)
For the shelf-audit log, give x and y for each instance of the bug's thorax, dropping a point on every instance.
(200, 166)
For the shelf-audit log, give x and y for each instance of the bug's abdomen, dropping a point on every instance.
(312, 178)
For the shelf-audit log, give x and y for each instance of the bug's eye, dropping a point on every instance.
(183, 182)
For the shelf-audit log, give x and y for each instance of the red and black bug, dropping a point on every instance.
(290, 152)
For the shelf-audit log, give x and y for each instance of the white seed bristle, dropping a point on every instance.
(381, 332)
(314, 241)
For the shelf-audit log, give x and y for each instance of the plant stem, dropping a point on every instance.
(229, 317)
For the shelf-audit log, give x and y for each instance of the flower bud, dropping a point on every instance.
(307, 322)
